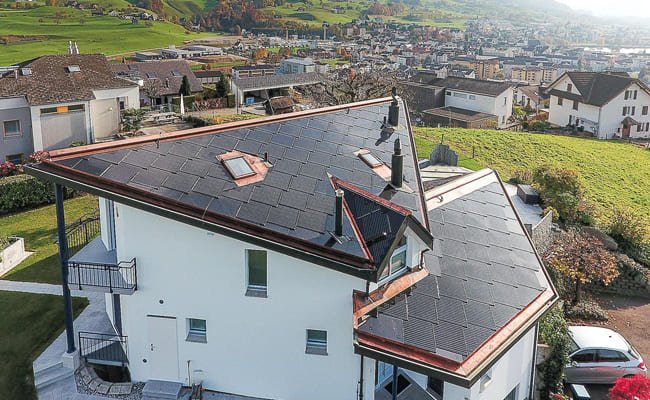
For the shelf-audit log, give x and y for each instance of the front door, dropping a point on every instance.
(626, 132)
(163, 348)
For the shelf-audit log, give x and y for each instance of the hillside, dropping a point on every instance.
(614, 173)
(46, 30)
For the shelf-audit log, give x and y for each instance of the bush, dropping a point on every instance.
(521, 176)
(556, 215)
(554, 332)
(587, 311)
(636, 387)
(24, 191)
(627, 227)
(563, 190)
(539, 126)
(8, 168)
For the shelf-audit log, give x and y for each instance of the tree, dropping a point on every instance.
(260, 53)
(222, 87)
(152, 89)
(634, 388)
(561, 189)
(349, 86)
(185, 89)
(582, 258)
(132, 119)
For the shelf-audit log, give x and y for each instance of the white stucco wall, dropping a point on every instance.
(501, 105)
(512, 370)
(255, 346)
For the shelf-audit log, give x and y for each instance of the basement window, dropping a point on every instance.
(238, 167)
(370, 160)
(316, 342)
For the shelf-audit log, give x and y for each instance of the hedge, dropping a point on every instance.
(23, 191)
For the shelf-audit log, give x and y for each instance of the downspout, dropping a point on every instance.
(394, 394)
(63, 260)
(361, 378)
(533, 368)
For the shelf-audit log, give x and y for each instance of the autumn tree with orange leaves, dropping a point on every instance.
(582, 258)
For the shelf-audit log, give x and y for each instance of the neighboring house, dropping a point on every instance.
(252, 71)
(301, 257)
(528, 96)
(279, 105)
(208, 76)
(534, 75)
(605, 104)
(53, 101)
(297, 65)
(266, 87)
(160, 81)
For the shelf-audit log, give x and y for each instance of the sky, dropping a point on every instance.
(618, 8)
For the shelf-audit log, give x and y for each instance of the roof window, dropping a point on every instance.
(73, 68)
(176, 73)
(151, 75)
(370, 159)
(26, 71)
(238, 167)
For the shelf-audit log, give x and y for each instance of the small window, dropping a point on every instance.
(644, 110)
(176, 73)
(448, 93)
(74, 68)
(627, 94)
(316, 342)
(151, 75)
(76, 107)
(397, 260)
(370, 160)
(575, 104)
(472, 97)
(257, 273)
(238, 167)
(635, 93)
(647, 126)
(196, 330)
(12, 128)
(569, 87)
(559, 101)
(26, 71)
(633, 110)
(15, 158)
(624, 111)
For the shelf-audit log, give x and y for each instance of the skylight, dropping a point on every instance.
(371, 160)
(26, 71)
(151, 75)
(74, 68)
(238, 167)
(176, 73)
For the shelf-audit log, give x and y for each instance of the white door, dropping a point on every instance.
(163, 348)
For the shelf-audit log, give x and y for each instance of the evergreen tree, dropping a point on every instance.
(222, 87)
(185, 87)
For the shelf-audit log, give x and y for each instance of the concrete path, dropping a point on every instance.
(43, 288)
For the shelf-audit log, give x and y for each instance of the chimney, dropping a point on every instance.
(397, 165)
(338, 227)
(393, 109)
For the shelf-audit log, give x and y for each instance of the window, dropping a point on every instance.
(436, 385)
(575, 104)
(635, 93)
(238, 167)
(196, 330)
(15, 158)
(569, 87)
(624, 110)
(559, 101)
(505, 101)
(647, 126)
(638, 127)
(605, 355)
(62, 109)
(512, 395)
(585, 356)
(256, 266)
(316, 342)
(633, 110)
(627, 94)
(472, 97)
(397, 260)
(448, 93)
(12, 128)
(370, 159)
(644, 110)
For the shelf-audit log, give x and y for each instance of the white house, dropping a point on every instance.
(52, 101)
(487, 97)
(605, 104)
(300, 256)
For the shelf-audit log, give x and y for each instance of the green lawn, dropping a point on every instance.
(30, 322)
(38, 227)
(615, 173)
(108, 35)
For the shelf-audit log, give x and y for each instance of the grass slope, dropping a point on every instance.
(614, 173)
(30, 322)
(38, 227)
(108, 35)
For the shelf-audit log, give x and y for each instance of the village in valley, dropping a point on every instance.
(402, 200)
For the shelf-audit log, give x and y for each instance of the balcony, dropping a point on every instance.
(94, 268)
(103, 348)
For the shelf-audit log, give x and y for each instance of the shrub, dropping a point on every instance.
(587, 311)
(563, 190)
(556, 215)
(539, 126)
(8, 168)
(24, 191)
(627, 227)
(38, 156)
(521, 176)
(634, 388)
(554, 332)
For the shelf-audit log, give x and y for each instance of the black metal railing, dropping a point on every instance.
(80, 232)
(103, 348)
(121, 276)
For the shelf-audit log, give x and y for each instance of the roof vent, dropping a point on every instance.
(393, 109)
(397, 167)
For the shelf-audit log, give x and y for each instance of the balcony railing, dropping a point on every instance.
(121, 278)
(102, 348)
(80, 232)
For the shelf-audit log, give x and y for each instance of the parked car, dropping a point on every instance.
(600, 355)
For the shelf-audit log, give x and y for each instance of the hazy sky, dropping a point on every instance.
(616, 8)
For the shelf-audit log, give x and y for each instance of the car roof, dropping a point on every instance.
(597, 337)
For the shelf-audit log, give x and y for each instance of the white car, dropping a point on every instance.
(600, 355)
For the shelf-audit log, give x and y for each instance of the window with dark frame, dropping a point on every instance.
(575, 104)
(316, 342)
(644, 110)
(12, 128)
(14, 158)
(633, 110)
(569, 87)
(559, 101)
(238, 167)
(256, 263)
